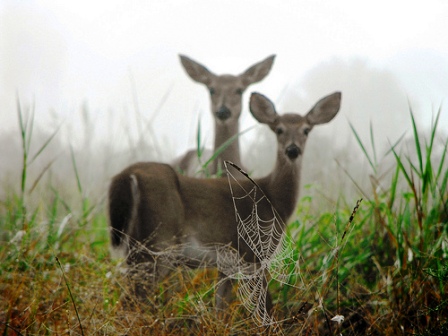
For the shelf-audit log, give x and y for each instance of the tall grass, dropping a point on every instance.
(26, 124)
(384, 270)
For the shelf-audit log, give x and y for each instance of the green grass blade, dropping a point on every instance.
(372, 142)
(23, 126)
(443, 193)
(395, 144)
(442, 160)
(224, 146)
(427, 177)
(414, 168)
(36, 182)
(402, 168)
(42, 148)
(71, 296)
(428, 173)
(393, 187)
(66, 206)
(360, 143)
(75, 168)
(30, 127)
(199, 149)
(417, 142)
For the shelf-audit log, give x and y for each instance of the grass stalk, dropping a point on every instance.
(386, 274)
(23, 125)
(71, 295)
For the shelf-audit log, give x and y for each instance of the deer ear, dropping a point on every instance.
(196, 71)
(257, 71)
(262, 109)
(325, 109)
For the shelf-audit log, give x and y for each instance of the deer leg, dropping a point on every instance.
(144, 273)
(223, 293)
(269, 304)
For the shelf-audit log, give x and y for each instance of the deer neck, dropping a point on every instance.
(282, 186)
(224, 132)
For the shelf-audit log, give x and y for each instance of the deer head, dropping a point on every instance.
(226, 94)
(226, 91)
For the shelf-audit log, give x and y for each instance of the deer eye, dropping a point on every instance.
(306, 131)
(279, 130)
(211, 90)
(239, 91)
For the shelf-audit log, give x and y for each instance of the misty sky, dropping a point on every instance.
(100, 54)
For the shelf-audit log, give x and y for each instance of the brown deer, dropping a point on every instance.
(226, 94)
(153, 208)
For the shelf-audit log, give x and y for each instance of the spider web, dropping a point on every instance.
(274, 250)
(277, 258)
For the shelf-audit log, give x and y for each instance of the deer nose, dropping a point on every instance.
(223, 113)
(293, 151)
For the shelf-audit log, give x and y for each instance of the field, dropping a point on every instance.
(383, 268)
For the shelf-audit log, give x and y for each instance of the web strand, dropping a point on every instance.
(276, 257)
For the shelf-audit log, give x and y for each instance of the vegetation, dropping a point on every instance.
(383, 268)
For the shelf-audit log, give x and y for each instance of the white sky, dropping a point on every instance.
(64, 53)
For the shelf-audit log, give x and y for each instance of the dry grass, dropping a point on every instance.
(388, 277)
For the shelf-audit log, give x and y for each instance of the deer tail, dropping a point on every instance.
(123, 207)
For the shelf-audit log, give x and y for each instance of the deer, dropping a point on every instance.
(151, 205)
(226, 94)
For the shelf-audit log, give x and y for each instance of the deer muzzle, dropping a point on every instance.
(223, 113)
(292, 151)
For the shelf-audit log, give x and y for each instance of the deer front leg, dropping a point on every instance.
(223, 293)
(144, 273)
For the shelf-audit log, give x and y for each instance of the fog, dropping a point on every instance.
(108, 77)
